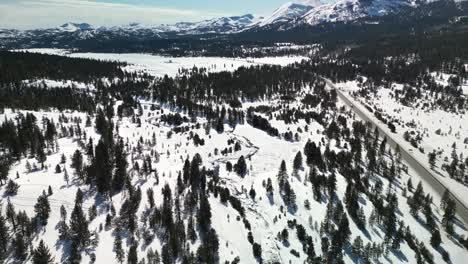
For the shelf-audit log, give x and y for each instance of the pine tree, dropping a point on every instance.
(20, 247)
(66, 178)
(102, 167)
(41, 156)
(79, 232)
(343, 229)
(204, 214)
(241, 167)
(331, 184)
(445, 198)
(11, 214)
(4, 237)
(357, 247)
(121, 165)
(42, 255)
(410, 185)
(119, 252)
(77, 164)
(63, 230)
(42, 209)
(435, 238)
(58, 169)
(297, 164)
(449, 216)
(11, 188)
(75, 254)
(132, 257)
(432, 159)
(166, 254)
(282, 175)
(153, 257)
(257, 251)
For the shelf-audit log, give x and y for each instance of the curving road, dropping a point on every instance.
(422, 170)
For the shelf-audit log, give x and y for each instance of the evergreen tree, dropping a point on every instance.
(79, 232)
(121, 165)
(132, 257)
(119, 252)
(20, 247)
(41, 156)
(4, 237)
(435, 238)
(449, 216)
(102, 167)
(357, 247)
(11, 214)
(166, 254)
(297, 164)
(432, 159)
(445, 198)
(282, 175)
(75, 254)
(42, 255)
(257, 251)
(11, 188)
(77, 164)
(42, 209)
(343, 229)
(204, 214)
(241, 167)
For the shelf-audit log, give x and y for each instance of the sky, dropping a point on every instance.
(29, 14)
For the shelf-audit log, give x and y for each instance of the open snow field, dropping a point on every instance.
(159, 65)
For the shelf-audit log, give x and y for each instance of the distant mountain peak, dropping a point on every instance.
(348, 10)
(290, 11)
(71, 27)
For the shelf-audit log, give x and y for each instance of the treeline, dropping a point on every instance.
(255, 82)
(18, 66)
(35, 98)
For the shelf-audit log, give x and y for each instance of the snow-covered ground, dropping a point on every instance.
(267, 217)
(160, 65)
(42, 83)
(441, 130)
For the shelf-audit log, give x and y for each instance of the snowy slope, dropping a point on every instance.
(348, 10)
(72, 27)
(216, 25)
(289, 12)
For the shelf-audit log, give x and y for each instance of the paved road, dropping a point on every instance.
(422, 170)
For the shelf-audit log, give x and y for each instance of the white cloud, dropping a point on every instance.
(27, 14)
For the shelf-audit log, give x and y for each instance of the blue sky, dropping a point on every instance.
(28, 14)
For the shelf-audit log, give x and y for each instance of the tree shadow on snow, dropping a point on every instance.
(400, 255)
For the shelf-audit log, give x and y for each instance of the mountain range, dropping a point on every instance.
(289, 16)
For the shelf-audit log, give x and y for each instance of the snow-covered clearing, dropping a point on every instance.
(160, 65)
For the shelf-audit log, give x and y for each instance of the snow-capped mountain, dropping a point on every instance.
(289, 12)
(348, 10)
(216, 25)
(72, 27)
(290, 16)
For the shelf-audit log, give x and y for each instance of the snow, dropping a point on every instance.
(288, 12)
(266, 152)
(428, 121)
(160, 65)
(57, 84)
(348, 10)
